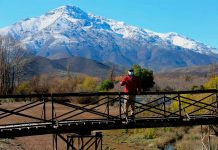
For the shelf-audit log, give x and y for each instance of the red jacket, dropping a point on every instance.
(132, 83)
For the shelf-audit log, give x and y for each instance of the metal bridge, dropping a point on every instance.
(81, 113)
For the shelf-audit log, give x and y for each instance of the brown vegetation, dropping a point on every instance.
(10, 65)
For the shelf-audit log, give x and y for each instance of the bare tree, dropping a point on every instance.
(111, 74)
(213, 70)
(11, 64)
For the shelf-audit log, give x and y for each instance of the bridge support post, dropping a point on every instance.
(84, 142)
(216, 103)
(108, 108)
(44, 107)
(164, 105)
(180, 109)
(120, 107)
(52, 109)
(55, 141)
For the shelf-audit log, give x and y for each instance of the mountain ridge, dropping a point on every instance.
(36, 66)
(68, 31)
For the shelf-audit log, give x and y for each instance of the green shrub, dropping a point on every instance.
(23, 89)
(150, 133)
(212, 83)
(106, 85)
(89, 84)
(146, 77)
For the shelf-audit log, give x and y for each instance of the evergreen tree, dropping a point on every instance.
(146, 77)
(106, 85)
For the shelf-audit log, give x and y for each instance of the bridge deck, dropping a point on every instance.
(86, 126)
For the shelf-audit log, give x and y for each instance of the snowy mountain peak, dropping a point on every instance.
(68, 31)
(70, 8)
(73, 11)
(187, 43)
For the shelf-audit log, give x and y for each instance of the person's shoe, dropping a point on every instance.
(125, 122)
(124, 118)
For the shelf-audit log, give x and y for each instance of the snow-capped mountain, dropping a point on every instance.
(68, 31)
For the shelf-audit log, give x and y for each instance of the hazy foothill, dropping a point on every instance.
(68, 50)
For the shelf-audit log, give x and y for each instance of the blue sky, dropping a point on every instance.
(197, 19)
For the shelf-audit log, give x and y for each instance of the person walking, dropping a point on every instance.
(132, 88)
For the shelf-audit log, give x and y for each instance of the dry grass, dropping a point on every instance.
(179, 82)
(193, 139)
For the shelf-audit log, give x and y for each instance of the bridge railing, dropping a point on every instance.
(69, 107)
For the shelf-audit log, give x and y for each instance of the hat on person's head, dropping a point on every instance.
(130, 70)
